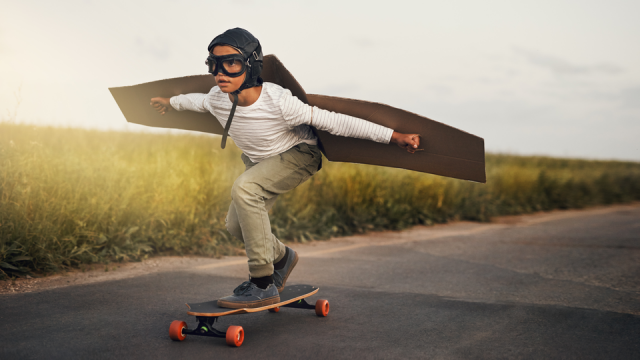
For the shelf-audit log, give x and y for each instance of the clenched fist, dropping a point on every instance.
(162, 105)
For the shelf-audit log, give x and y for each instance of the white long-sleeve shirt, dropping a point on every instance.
(277, 121)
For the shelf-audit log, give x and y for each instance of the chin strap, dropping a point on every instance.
(228, 125)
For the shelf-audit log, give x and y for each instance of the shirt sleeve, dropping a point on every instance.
(194, 102)
(296, 113)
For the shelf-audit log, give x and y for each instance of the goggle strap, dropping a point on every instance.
(228, 124)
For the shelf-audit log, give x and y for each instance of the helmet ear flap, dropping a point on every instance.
(256, 69)
(256, 59)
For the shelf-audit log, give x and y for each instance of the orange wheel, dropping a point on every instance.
(175, 330)
(235, 336)
(275, 309)
(322, 307)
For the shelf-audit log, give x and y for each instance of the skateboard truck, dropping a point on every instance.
(205, 328)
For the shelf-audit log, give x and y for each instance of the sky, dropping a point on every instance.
(558, 78)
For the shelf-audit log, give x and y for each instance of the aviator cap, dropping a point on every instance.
(250, 49)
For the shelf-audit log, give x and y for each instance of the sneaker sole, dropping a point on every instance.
(284, 280)
(249, 304)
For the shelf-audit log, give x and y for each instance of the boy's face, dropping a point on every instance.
(227, 84)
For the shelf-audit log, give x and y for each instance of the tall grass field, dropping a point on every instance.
(70, 197)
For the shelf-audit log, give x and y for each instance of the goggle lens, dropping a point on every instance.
(232, 66)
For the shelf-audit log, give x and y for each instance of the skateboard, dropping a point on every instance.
(207, 313)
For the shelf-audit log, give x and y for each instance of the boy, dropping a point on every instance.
(280, 151)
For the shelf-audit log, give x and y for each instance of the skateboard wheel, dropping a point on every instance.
(175, 330)
(275, 309)
(235, 336)
(322, 307)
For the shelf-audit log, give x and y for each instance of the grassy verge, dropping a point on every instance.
(71, 197)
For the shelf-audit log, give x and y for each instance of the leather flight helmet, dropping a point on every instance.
(250, 49)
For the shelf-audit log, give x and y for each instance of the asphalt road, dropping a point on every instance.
(563, 285)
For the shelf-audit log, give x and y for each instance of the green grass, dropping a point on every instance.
(70, 197)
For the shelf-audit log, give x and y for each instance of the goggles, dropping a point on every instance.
(232, 65)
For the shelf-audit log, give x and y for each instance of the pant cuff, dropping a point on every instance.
(282, 251)
(257, 271)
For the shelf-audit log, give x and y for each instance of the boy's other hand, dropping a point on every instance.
(410, 142)
(162, 105)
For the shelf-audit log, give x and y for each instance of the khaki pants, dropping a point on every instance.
(254, 193)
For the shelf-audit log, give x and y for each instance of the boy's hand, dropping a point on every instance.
(410, 142)
(162, 105)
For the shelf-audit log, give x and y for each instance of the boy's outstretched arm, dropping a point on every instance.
(193, 102)
(410, 142)
(296, 113)
(162, 105)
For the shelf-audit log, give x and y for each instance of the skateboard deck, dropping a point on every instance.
(207, 313)
(289, 294)
(447, 151)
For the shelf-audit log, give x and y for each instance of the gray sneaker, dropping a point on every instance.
(280, 276)
(249, 295)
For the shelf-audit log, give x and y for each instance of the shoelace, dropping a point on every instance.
(243, 288)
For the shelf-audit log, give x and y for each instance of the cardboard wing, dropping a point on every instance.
(134, 103)
(447, 150)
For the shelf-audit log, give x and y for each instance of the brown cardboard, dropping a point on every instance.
(447, 150)
(134, 102)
